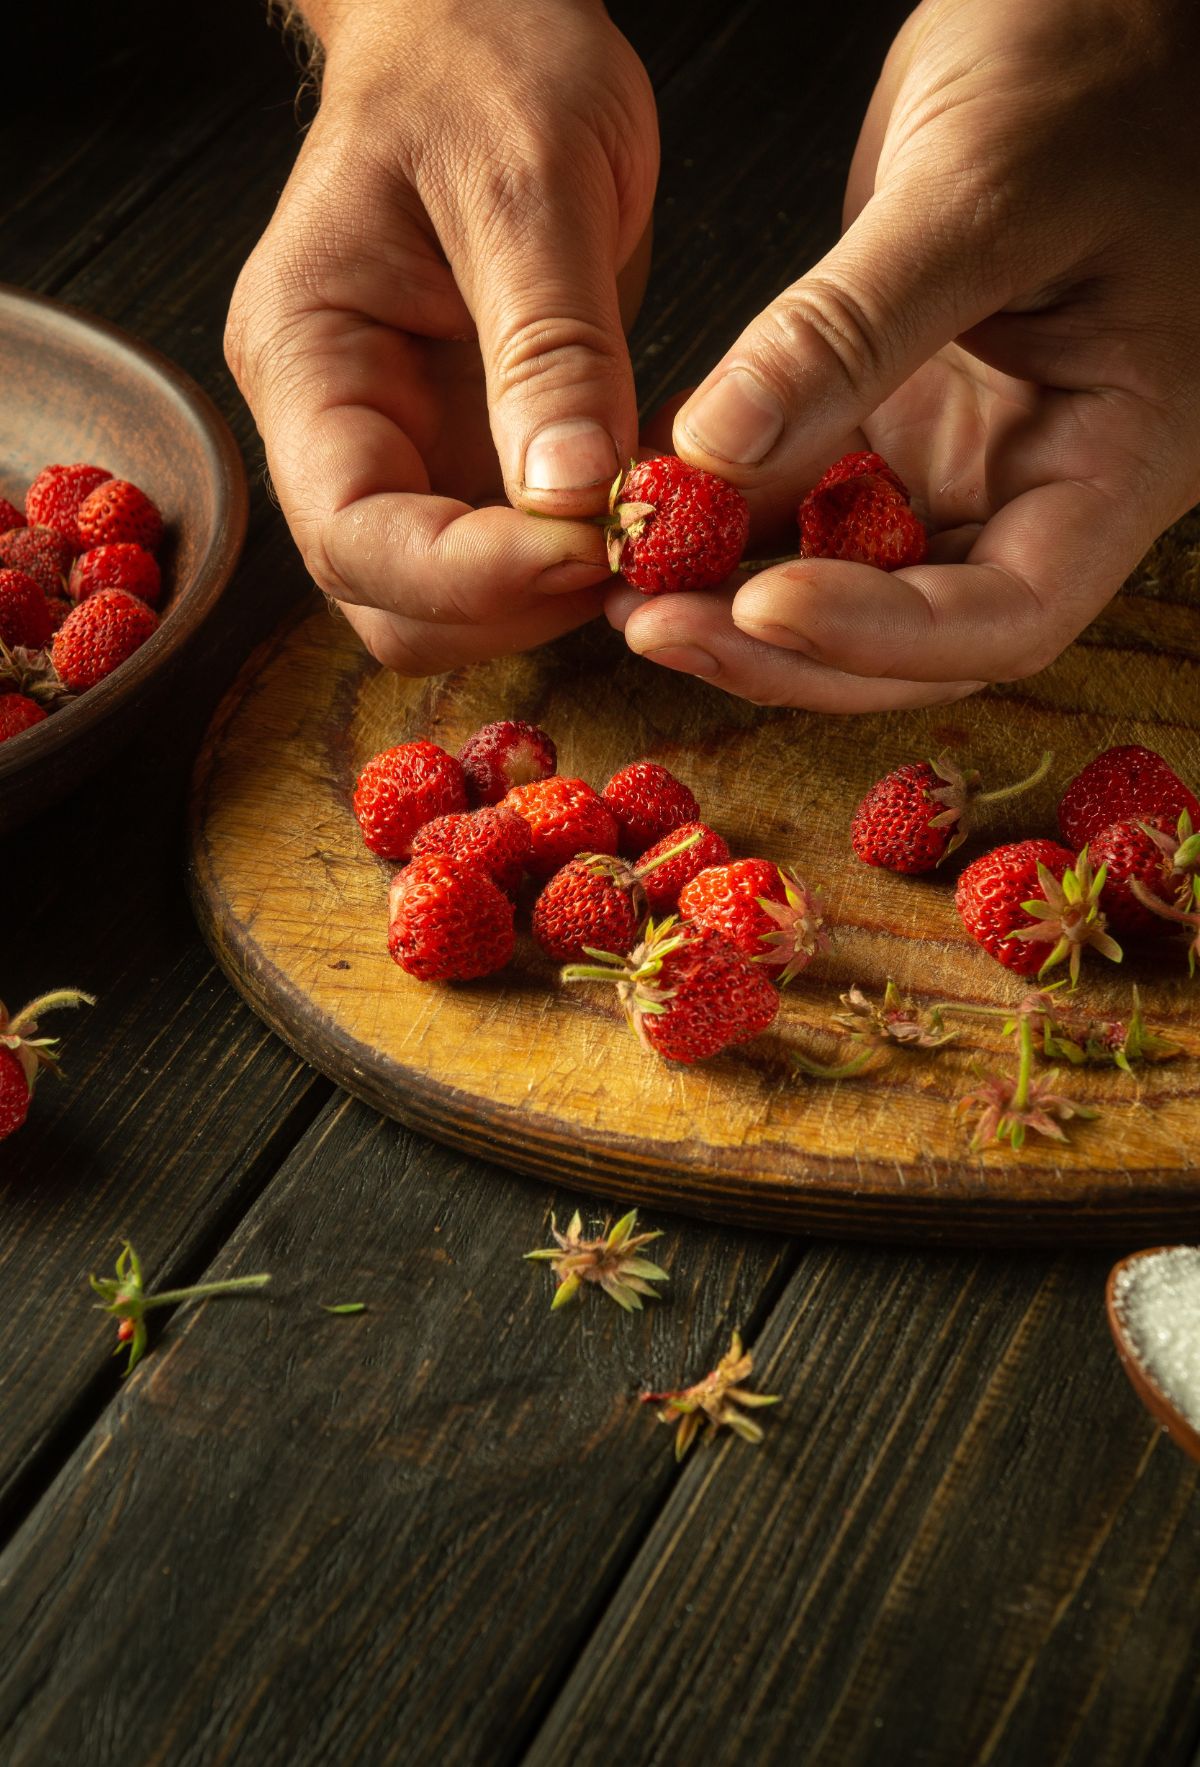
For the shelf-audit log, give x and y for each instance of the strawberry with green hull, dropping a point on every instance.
(448, 920)
(54, 497)
(24, 1055)
(921, 812)
(400, 790)
(596, 902)
(1026, 895)
(118, 511)
(98, 636)
(687, 993)
(507, 753)
(648, 803)
(860, 511)
(24, 614)
(565, 817)
(764, 910)
(674, 527)
(1163, 859)
(491, 837)
(664, 876)
(1125, 784)
(40, 553)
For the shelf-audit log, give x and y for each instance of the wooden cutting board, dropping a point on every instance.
(548, 1079)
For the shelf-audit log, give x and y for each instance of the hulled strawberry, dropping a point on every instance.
(40, 553)
(118, 511)
(507, 753)
(648, 802)
(918, 813)
(663, 877)
(24, 1054)
(686, 991)
(764, 910)
(1125, 784)
(673, 526)
(860, 511)
(10, 516)
(1162, 858)
(17, 713)
(24, 615)
(98, 636)
(402, 788)
(491, 837)
(565, 817)
(123, 565)
(1027, 895)
(598, 902)
(53, 499)
(448, 920)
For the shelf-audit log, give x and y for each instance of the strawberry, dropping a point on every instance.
(663, 882)
(763, 910)
(501, 755)
(24, 615)
(59, 607)
(918, 813)
(1123, 784)
(98, 636)
(1027, 894)
(686, 992)
(673, 526)
(10, 516)
(565, 817)
(117, 511)
(40, 553)
(648, 802)
(597, 902)
(1162, 859)
(123, 565)
(17, 713)
(860, 511)
(400, 790)
(448, 920)
(495, 839)
(24, 1055)
(53, 499)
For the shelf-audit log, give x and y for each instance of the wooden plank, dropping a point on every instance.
(963, 1542)
(298, 1539)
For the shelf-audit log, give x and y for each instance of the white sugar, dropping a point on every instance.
(1158, 1300)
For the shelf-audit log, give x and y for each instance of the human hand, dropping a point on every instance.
(1027, 183)
(463, 231)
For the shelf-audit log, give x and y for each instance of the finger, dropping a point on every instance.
(695, 635)
(536, 256)
(419, 648)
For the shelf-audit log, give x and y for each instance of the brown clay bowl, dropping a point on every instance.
(1158, 1403)
(75, 388)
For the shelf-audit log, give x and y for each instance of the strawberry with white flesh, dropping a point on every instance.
(648, 802)
(24, 1055)
(686, 992)
(507, 753)
(765, 910)
(448, 920)
(673, 527)
(924, 810)
(596, 902)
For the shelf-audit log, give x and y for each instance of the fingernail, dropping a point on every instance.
(736, 419)
(570, 456)
(687, 658)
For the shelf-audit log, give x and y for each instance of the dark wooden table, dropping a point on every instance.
(444, 1531)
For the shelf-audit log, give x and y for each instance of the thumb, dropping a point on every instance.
(541, 281)
(917, 267)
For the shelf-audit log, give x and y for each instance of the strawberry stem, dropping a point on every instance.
(1011, 791)
(168, 1297)
(671, 853)
(1020, 1098)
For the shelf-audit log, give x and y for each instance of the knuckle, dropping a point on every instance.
(569, 351)
(846, 332)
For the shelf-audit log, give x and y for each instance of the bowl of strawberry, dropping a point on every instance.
(122, 513)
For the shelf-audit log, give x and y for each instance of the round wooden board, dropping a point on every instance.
(547, 1079)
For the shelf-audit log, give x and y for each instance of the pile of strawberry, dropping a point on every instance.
(79, 583)
(632, 887)
(1128, 860)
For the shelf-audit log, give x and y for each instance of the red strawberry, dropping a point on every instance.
(674, 526)
(764, 910)
(501, 755)
(686, 992)
(495, 839)
(1126, 784)
(10, 516)
(648, 802)
(448, 920)
(59, 607)
(18, 713)
(565, 817)
(922, 811)
(1026, 895)
(117, 511)
(663, 883)
(597, 903)
(98, 636)
(53, 499)
(860, 511)
(123, 565)
(1161, 858)
(400, 790)
(24, 615)
(40, 553)
(23, 1054)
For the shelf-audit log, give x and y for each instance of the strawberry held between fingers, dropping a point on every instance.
(54, 497)
(648, 803)
(860, 511)
(565, 817)
(507, 753)
(99, 635)
(1124, 784)
(402, 788)
(448, 920)
(673, 526)
(764, 910)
